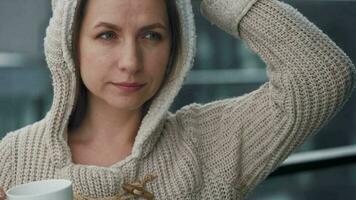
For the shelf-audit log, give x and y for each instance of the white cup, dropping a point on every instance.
(42, 190)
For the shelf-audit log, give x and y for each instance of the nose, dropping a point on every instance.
(129, 57)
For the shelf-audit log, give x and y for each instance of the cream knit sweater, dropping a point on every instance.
(220, 150)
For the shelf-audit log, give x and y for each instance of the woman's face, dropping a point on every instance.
(124, 48)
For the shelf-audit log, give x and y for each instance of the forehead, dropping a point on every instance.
(123, 10)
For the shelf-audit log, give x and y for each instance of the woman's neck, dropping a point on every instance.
(107, 124)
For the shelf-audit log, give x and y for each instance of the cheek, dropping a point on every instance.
(157, 61)
(156, 69)
(91, 54)
(92, 67)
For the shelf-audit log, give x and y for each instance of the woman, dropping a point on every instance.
(117, 66)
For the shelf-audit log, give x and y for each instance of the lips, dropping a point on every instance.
(129, 87)
(129, 84)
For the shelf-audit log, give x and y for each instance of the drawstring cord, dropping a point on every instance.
(129, 190)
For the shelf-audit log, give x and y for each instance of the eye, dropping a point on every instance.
(153, 36)
(109, 35)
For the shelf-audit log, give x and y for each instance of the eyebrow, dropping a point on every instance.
(108, 25)
(115, 27)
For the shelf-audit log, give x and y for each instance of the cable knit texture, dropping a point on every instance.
(220, 150)
(226, 14)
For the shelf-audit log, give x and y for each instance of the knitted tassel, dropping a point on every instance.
(129, 191)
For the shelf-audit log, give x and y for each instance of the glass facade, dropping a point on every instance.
(224, 67)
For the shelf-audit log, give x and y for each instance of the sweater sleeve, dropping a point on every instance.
(6, 160)
(243, 139)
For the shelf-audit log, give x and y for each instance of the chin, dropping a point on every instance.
(127, 105)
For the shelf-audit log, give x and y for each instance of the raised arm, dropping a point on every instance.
(241, 140)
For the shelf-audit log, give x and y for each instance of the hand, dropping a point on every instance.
(226, 14)
(2, 194)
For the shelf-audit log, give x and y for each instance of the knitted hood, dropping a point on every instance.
(58, 50)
